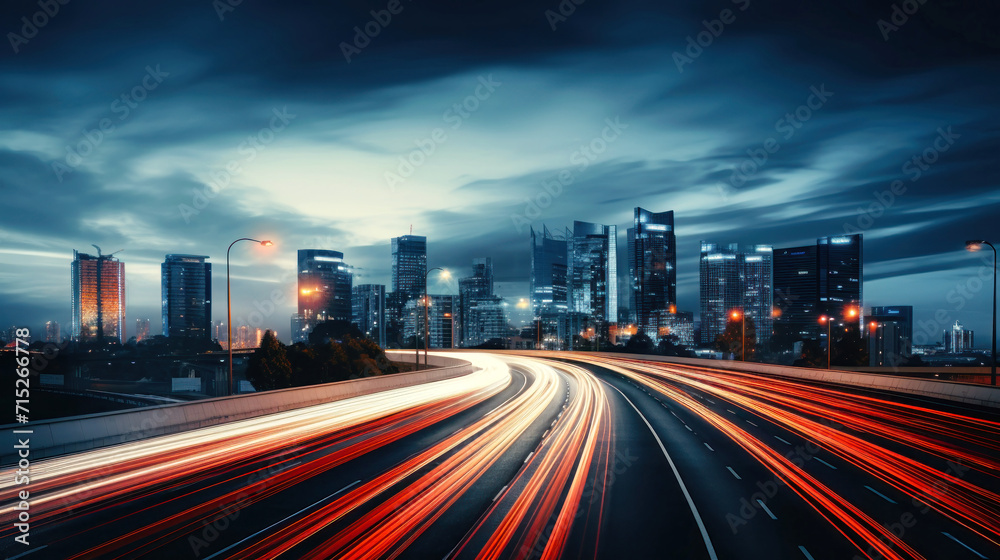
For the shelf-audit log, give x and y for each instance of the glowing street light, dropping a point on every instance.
(738, 315)
(229, 305)
(977, 245)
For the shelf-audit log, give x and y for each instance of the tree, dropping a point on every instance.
(639, 343)
(269, 367)
(670, 346)
(733, 340)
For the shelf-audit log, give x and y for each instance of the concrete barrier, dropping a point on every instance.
(79, 433)
(981, 395)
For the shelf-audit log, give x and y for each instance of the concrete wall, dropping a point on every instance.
(79, 433)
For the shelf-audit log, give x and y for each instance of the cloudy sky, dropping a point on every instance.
(176, 127)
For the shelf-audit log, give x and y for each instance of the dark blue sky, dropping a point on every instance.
(115, 115)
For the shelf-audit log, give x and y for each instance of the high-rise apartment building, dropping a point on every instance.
(593, 272)
(472, 290)
(52, 332)
(409, 265)
(735, 279)
(186, 288)
(890, 335)
(369, 311)
(958, 339)
(652, 267)
(97, 298)
(324, 287)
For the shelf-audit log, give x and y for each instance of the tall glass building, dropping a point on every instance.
(97, 298)
(890, 335)
(652, 267)
(593, 271)
(549, 268)
(734, 278)
(409, 265)
(369, 311)
(472, 290)
(186, 289)
(324, 287)
(817, 280)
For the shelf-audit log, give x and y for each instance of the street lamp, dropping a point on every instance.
(427, 302)
(974, 246)
(829, 340)
(229, 306)
(743, 336)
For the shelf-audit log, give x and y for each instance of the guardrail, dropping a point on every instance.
(79, 433)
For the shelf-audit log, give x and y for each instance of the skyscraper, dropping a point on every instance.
(958, 340)
(549, 268)
(186, 288)
(98, 297)
(652, 266)
(471, 290)
(409, 265)
(816, 280)
(324, 287)
(440, 320)
(52, 333)
(890, 335)
(735, 278)
(593, 271)
(369, 311)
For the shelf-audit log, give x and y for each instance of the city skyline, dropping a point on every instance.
(760, 137)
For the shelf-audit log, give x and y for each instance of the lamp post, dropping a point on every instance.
(427, 303)
(743, 333)
(974, 246)
(229, 306)
(829, 340)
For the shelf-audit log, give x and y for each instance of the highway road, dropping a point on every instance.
(543, 456)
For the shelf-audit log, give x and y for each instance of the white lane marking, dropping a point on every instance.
(688, 427)
(734, 473)
(528, 458)
(677, 475)
(29, 552)
(752, 424)
(709, 447)
(730, 411)
(710, 401)
(767, 510)
(806, 553)
(782, 440)
(500, 492)
(825, 463)
(963, 544)
(881, 495)
(675, 415)
(282, 521)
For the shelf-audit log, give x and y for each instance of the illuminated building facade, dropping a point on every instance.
(409, 265)
(324, 283)
(186, 287)
(368, 311)
(734, 278)
(592, 283)
(97, 298)
(652, 264)
(890, 335)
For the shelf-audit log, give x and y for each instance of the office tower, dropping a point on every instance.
(485, 320)
(440, 317)
(186, 288)
(817, 280)
(652, 266)
(98, 298)
(409, 265)
(471, 290)
(549, 268)
(890, 335)
(958, 340)
(368, 311)
(679, 324)
(324, 287)
(299, 329)
(141, 329)
(593, 272)
(735, 279)
(52, 333)
(395, 312)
